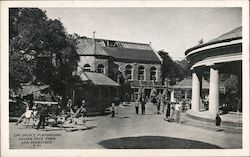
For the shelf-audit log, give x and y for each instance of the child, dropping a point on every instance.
(34, 115)
(27, 115)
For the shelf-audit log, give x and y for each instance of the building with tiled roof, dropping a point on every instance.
(137, 62)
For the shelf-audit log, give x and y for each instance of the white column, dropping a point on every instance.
(172, 96)
(195, 93)
(214, 92)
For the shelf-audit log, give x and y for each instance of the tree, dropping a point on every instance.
(47, 53)
(184, 68)
(174, 70)
(168, 67)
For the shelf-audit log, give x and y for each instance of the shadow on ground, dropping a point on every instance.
(154, 142)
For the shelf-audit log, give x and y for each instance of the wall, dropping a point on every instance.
(147, 67)
(93, 63)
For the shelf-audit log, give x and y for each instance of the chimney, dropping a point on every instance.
(93, 39)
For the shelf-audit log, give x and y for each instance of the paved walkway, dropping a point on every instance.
(128, 130)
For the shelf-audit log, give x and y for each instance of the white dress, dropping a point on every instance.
(28, 113)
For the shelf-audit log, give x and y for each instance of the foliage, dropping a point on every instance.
(230, 82)
(40, 49)
(174, 70)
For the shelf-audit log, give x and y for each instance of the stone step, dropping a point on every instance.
(209, 124)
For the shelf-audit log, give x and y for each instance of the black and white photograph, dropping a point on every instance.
(108, 76)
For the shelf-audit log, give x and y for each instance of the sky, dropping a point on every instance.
(173, 30)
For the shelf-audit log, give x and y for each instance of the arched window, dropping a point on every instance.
(153, 73)
(128, 72)
(100, 68)
(141, 73)
(87, 67)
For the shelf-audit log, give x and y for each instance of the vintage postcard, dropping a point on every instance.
(124, 78)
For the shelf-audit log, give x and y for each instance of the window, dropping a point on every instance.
(100, 68)
(153, 73)
(141, 73)
(87, 67)
(128, 72)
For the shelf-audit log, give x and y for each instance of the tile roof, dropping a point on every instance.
(236, 33)
(98, 79)
(132, 54)
(187, 84)
(30, 89)
(118, 49)
(94, 49)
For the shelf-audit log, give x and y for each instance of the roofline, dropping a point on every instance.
(214, 46)
(117, 84)
(125, 60)
(118, 41)
(157, 54)
(210, 43)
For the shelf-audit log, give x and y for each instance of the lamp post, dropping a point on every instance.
(166, 85)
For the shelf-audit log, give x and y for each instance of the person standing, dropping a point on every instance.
(163, 103)
(42, 118)
(168, 104)
(34, 115)
(113, 110)
(137, 105)
(143, 103)
(217, 122)
(172, 112)
(177, 111)
(28, 116)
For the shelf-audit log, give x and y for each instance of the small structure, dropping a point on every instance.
(220, 55)
(183, 89)
(98, 90)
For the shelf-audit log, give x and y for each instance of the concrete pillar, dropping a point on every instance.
(214, 91)
(195, 92)
(172, 96)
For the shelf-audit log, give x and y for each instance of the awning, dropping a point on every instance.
(30, 89)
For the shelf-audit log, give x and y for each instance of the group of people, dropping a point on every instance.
(141, 102)
(171, 109)
(30, 113)
(71, 114)
(74, 114)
